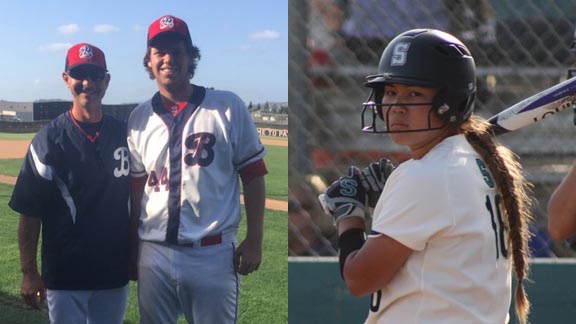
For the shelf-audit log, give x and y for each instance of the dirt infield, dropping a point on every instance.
(17, 150)
(7, 179)
(13, 149)
(273, 142)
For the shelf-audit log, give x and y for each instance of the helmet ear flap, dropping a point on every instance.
(452, 111)
(443, 110)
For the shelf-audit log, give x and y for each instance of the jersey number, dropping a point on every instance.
(156, 182)
(375, 301)
(497, 226)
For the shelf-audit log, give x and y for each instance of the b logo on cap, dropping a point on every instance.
(85, 52)
(166, 22)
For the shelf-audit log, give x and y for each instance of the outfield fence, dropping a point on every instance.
(520, 47)
(20, 127)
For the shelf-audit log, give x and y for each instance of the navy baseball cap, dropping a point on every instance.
(84, 54)
(169, 24)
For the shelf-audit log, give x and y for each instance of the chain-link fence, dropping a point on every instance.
(520, 47)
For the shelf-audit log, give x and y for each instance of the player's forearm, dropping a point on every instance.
(375, 264)
(28, 233)
(562, 208)
(254, 202)
(351, 223)
(137, 186)
(135, 209)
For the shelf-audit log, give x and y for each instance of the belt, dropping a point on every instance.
(206, 241)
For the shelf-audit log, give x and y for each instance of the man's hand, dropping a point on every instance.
(32, 289)
(248, 256)
(374, 178)
(345, 197)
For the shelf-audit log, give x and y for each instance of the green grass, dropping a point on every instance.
(10, 167)
(277, 179)
(17, 137)
(275, 138)
(11, 307)
(263, 294)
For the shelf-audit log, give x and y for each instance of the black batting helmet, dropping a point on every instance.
(426, 58)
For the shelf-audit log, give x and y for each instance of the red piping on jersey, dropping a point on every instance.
(91, 138)
(173, 108)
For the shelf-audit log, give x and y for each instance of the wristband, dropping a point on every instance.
(348, 242)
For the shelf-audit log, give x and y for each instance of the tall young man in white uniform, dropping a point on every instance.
(189, 148)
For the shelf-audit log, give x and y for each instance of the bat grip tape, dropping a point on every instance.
(349, 241)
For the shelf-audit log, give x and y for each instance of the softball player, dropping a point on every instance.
(74, 185)
(450, 220)
(189, 145)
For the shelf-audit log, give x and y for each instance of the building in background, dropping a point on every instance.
(16, 111)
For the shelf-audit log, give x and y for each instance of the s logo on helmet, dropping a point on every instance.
(399, 54)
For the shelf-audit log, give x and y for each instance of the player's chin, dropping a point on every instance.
(168, 80)
(402, 138)
(173, 82)
(92, 96)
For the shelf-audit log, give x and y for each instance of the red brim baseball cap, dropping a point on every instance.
(84, 54)
(169, 25)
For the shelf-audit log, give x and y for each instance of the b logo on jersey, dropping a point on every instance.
(166, 22)
(200, 146)
(121, 154)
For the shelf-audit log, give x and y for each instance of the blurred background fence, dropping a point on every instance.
(520, 47)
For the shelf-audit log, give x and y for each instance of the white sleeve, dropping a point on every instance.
(137, 169)
(414, 206)
(245, 140)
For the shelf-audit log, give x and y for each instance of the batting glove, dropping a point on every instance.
(374, 178)
(345, 197)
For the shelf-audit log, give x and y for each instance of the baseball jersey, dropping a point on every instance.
(80, 190)
(445, 208)
(192, 161)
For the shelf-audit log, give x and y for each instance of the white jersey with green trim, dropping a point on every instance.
(446, 209)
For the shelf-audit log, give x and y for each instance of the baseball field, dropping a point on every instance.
(263, 294)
